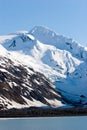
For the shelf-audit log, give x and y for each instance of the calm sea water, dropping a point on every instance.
(58, 123)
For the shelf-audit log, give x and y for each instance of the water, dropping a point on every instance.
(58, 123)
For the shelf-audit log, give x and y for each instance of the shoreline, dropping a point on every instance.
(34, 112)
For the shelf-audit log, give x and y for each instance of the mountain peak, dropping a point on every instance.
(43, 29)
(48, 36)
(40, 32)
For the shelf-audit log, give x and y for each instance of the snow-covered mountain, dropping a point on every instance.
(60, 59)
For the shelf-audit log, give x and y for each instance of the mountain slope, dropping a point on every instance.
(60, 59)
(21, 86)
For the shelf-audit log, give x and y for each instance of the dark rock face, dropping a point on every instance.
(18, 82)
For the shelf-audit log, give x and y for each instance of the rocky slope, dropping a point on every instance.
(21, 86)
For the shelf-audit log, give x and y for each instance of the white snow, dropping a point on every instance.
(27, 86)
(3, 51)
(12, 84)
(55, 103)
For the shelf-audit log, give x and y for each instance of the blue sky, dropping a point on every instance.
(67, 17)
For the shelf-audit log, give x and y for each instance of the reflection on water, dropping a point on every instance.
(58, 123)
